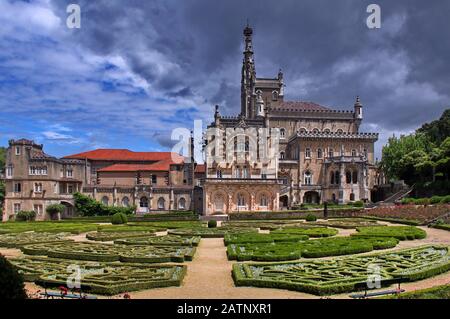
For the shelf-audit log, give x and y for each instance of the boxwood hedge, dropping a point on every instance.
(100, 278)
(204, 232)
(344, 274)
(168, 240)
(17, 240)
(399, 232)
(323, 247)
(311, 232)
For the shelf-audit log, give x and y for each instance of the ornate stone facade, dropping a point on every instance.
(322, 154)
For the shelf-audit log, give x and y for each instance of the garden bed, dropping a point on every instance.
(344, 274)
(168, 240)
(111, 253)
(211, 232)
(311, 232)
(99, 278)
(281, 251)
(399, 232)
(18, 240)
(111, 236)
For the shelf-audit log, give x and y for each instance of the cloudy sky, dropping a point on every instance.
(135, 70)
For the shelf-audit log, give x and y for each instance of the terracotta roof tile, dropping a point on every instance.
(126, 155)
(158, 166)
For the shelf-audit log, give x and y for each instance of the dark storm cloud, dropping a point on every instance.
(326, 51)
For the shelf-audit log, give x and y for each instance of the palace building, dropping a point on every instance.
(152, 181)
(274, 155)
(321, 153)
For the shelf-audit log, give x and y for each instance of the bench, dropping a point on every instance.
(63, 295)
(378, 293)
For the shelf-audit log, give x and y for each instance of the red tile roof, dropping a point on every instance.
(126, 155)
(200, 168)
(158, 166)
(300, 105)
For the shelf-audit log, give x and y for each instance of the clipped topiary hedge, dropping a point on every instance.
(111, 236)
(110, 253)
(119, 218)
(100, 278)
(18, 240)
(262, 238)
(399, 232)
(344, 274)
(204, 232)
(11, 282)
(311, 232)
(325, 247)
(168, 240)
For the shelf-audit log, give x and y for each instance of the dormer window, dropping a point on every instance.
(17, 150)
(274, 96)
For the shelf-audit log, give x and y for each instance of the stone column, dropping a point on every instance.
(341, 182)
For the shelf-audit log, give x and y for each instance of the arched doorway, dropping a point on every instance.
(311, 197)
(68, 212)
(284, 201)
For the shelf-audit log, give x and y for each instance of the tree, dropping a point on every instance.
(437, 131)
(11, 282)
(55, 209)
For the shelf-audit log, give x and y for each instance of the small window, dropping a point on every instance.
(105, 200)
(263, 201)
(44, 170)
(337, 177)
(182, 203)
(16, 208)
(241, 200)
(17, 150)
(274, 96)
(70, 189)
(332, 181)
(308, 153)
(355, 177)
(282, 155)
(308, 179)
(143, 202)
(154, 180)
(352, 197)
(353, 153)
(38, 187)
(125, 202)
(264, 176)
(282, 133)
(69, 173)
(319, 153)
(32, 170)
(38, 209)
(245, 172)
(9, 171)
(17, 187)
(219, 173)
(330, 152)
(161, 203)
(348, 177)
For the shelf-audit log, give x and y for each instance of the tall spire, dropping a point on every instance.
(248, 74)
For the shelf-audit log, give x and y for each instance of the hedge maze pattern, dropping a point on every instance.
(110, 253)
(324, 247)
(17, 240)
(111, 236)
(399, 232)
(344, 274)
(311, 232)
(262, 238)
(211, 232)
(97, 277)
(168, 240)
(347, 223)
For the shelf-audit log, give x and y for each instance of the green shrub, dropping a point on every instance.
(422, 201)
(311, 218)
(399, 232)
(212, 224)
(55, 209)
(311, 232)
(408, 201)
(446, 200)
(11, 282)
(87, 206)
(436, 199)
(358, 203)
(25, 216)
(119, 218)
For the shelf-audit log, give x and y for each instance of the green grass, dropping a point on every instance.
(47, 227)
(98, 277)
(399, 232)
(411, 222)
(344, 274)
(442, 226)
(438, 292)
(311, 232)
(347, 223)
(324, 247)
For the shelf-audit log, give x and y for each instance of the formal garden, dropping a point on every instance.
(313, 256)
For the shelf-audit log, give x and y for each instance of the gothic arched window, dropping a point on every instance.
(348, 177)
(125, 202)
(355, 177)
(105, 200)
(319, 153)
(308, 179)
(274, 96)
(161, 203)
(282, 133)
(143, 202)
